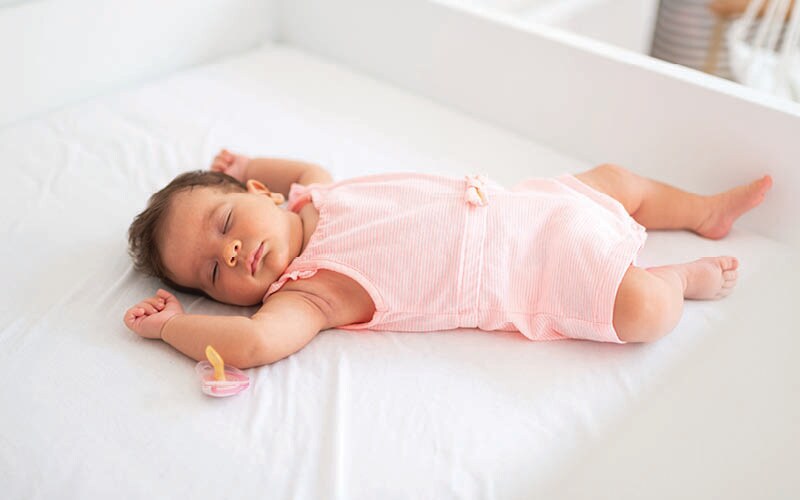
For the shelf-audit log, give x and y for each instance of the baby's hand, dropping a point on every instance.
(231, 164)
(149, 316)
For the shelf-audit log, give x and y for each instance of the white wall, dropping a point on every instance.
(54, 52)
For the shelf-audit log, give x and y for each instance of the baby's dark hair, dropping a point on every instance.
(144, 231)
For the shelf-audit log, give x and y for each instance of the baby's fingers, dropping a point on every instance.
(219, 166)
(147, 307)
(157, 302)
(168, 297)
(132, 315)
(171, 302)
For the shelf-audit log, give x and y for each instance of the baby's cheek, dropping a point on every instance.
(255, 295)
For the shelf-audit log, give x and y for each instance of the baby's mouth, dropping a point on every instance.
(255, 258)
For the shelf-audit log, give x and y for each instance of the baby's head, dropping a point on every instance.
(208, 233)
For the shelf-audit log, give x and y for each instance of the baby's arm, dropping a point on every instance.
(276, 173)
(284, 325)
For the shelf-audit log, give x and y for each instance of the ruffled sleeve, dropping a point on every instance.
(292, 275)
(299, 195)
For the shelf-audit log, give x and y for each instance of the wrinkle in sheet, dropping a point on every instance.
(335, 435)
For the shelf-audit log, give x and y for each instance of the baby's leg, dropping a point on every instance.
(649, 301)
(656, 205)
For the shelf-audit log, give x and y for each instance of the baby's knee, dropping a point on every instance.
(646, 307)
(613, 170)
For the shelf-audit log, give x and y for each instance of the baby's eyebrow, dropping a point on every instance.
(210, 216)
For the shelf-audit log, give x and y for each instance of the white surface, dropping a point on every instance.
(91, 411)
(55, 52)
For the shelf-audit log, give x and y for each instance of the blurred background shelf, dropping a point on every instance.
(691, 33)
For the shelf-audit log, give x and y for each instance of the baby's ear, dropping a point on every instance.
(256, 187)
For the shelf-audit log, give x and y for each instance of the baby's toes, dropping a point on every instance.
(723, 292)
(730, 276)
(729, 263)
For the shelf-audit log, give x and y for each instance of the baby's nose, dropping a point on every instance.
(231, 253)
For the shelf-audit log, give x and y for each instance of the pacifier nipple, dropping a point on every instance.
(216, 361)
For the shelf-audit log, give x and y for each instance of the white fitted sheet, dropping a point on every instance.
(90, 410)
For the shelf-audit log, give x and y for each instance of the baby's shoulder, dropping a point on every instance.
(340, 297)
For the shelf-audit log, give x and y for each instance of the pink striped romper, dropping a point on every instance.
(544, 258)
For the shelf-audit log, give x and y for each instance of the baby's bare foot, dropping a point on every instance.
(710, 277)
(728, 206)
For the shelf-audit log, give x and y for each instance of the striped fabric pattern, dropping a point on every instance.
(687, 32)
(544, 258)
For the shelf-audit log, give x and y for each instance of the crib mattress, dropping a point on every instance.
(91, 410)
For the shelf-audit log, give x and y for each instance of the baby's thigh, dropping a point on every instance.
(646, 307)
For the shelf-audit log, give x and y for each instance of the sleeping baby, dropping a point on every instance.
(551, 258)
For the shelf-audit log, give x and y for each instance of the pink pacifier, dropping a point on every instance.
(219, 380)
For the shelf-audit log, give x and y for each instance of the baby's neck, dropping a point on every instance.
(301, 229)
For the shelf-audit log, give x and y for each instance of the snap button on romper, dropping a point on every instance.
(544, 258)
